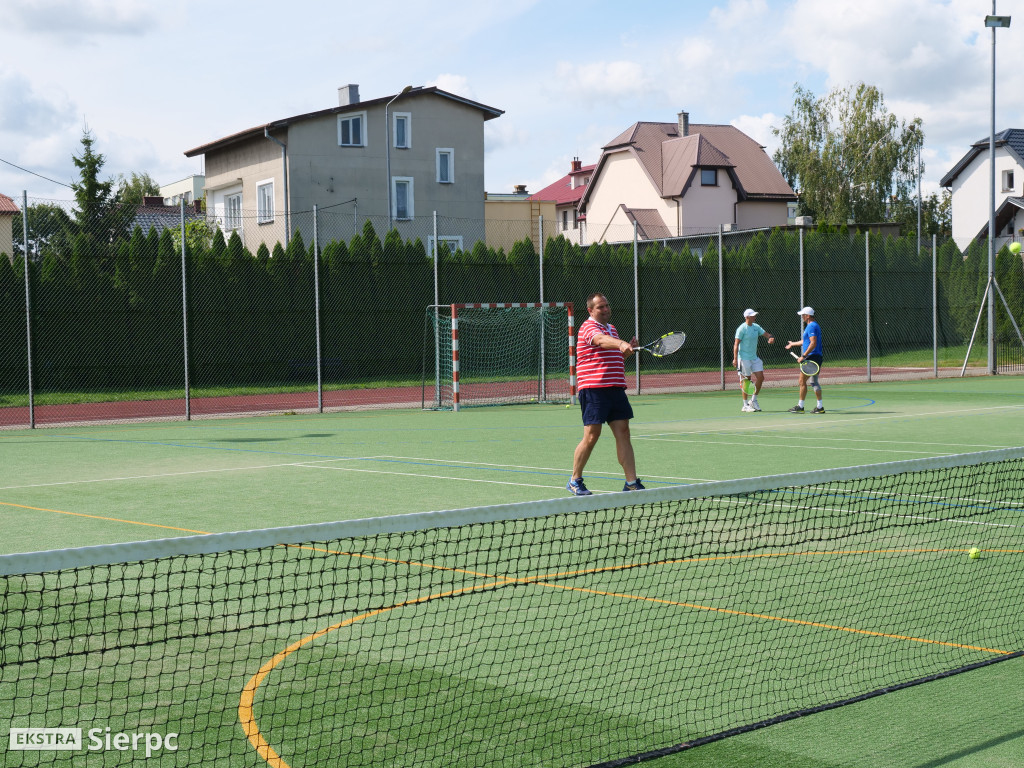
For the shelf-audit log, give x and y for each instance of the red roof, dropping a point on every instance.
(561, 191)
(7, 205)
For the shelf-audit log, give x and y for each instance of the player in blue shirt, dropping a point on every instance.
(811, 348)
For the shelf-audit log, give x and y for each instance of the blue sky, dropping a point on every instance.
(152, 80)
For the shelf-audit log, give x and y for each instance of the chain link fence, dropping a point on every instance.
(149, 314)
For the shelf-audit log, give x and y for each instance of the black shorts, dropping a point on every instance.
(604, 404)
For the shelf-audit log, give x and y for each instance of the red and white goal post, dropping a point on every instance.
(499, 354)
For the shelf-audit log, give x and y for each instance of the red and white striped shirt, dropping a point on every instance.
(597, 367)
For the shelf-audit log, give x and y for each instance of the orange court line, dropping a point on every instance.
(100, 517)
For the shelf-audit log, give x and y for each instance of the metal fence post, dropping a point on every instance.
(184, 310)
(935, 308)
(316, 316)
(721, 309)
(28, 311)
(636, 300)
(867, 299)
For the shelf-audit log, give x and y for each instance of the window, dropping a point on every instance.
(402, 130)
(1007, 181)
(565, 220)
(233, 212)
(265, 202)
(446, 166)
(575, 219)
(351, 131)
(401, 197)
(709, 177)
(454, 243)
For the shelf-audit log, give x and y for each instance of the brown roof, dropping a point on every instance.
(489, 114)
(7, 204)
(670, 160)
(650, 225)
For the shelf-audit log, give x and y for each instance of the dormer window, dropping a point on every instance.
(709, 177)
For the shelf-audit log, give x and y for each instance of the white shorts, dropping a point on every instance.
(747, 367)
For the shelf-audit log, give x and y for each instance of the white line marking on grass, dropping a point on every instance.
(778, 445)
(612, 475)
(801, 422)
(733, 502)
(180, 474)
(432, 477)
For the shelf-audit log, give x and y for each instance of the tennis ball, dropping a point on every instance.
(974, 554)
(1014, 247)
(568, 406)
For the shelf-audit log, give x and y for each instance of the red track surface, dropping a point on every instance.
(400, 397)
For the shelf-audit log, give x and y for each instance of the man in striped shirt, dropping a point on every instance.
(601, 376)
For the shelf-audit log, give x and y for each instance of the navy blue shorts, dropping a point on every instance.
(603, 404)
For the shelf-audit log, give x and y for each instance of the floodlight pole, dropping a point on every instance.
(994, 22)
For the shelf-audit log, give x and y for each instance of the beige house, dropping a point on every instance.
(415, 153)
(514, 216)
(676, 179)
(8, 211)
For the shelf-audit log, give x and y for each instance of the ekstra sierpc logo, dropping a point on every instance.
(96, 739)
(46, 739)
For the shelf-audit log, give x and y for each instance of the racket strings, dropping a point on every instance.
(666, 345)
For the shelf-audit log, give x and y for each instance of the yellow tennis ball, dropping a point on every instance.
(569, 406)
(974, 554)
(1014, 247)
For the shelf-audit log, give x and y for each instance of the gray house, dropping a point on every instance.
(264, 182)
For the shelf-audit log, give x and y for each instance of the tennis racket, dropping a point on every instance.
(746, 385)
(666, 345)
(807, 367)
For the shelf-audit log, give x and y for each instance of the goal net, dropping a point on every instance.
(498, 354)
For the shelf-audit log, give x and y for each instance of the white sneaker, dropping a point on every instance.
(747, 409)
(754, 406)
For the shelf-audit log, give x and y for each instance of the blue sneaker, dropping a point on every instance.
(577, 488)
(637, 486)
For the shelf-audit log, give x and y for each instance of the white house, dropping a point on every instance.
(969, 180)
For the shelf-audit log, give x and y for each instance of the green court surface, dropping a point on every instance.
(77, 486)
(85, 485)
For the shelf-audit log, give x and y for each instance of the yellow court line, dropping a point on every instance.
(100, 517)
(246, 702)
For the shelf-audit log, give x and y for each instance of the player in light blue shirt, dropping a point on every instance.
(745, 359)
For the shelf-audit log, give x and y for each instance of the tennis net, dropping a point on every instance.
(573, 632)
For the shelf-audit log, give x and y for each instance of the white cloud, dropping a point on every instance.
(72, 19)
(457, 84)
(599, 82)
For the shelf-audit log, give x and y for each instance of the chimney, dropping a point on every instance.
(520, 189)
(576, 165)
(684, 123)
(348, 94)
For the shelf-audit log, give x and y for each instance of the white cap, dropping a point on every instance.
(749, 312)
(807, 311)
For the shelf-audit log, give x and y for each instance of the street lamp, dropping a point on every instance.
(994, 22)
(387, 133)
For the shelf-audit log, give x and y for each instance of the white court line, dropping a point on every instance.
(846, 510)
(760, 433)
(800, 422)
(435, 477)
(612, 475)
(181, 474)
(777, 445)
